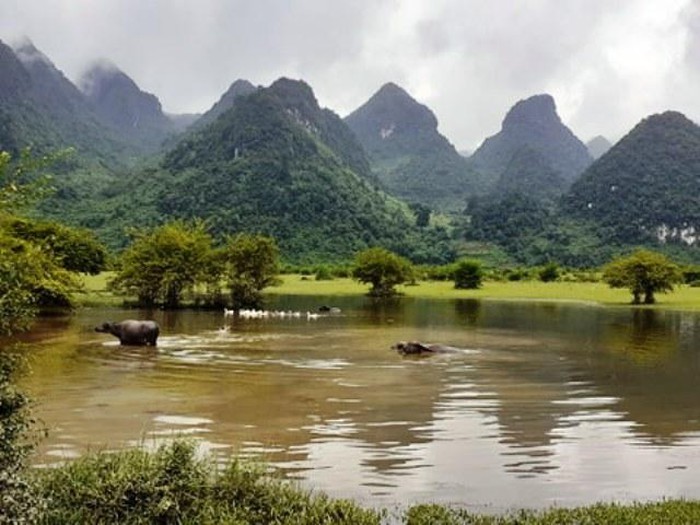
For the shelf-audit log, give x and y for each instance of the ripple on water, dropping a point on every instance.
(182, 420)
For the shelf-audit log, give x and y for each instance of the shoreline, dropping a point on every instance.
(592, 294)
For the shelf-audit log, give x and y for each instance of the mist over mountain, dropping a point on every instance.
(124, 106)
(598, 146)
(411, 159)
(14, 80)
(646, 187)
(534, 123)
(40, 107)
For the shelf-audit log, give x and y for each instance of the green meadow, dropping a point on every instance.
(683, 297)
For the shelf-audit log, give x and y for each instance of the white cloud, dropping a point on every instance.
(608, 64)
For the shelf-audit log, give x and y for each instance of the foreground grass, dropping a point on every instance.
(173, 486)
(657, 513)
(682, 298)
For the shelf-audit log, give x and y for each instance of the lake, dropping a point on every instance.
(542, 404)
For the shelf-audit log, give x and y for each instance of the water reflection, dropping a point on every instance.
(543, 403)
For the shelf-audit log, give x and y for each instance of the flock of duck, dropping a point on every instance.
(279, 314)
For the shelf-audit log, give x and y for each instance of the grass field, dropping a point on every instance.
(682, 298)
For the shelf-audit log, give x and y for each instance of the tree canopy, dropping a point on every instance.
(162, 263)
(383, 269)
(251, 263)
(645, 273)
(468, 274)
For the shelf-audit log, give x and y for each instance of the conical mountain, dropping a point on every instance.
(646, 187)
(239, 88)
(534, 123)
(410, 157)
(121, 104)
(279, 164)
(598, 146)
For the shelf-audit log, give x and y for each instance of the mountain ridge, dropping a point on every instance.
(411, 159)
(535, 123)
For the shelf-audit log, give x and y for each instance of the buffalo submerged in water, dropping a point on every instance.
(416, 348)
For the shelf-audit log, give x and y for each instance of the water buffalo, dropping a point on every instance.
(416, 348)
(130, 332)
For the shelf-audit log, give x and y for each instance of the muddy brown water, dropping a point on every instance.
(543, 404)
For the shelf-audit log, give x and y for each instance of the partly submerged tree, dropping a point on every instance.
(468, 274)
(31, 273)
(162, 263)
(251, 263)
(382, 269)
(645, 273)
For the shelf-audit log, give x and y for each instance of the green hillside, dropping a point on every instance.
(278, 164)
(528, 172)
(644, 189)
(411, 159)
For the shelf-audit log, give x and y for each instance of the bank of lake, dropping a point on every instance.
(683, 297)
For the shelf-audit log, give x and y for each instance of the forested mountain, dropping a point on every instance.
(121, 104)
(239, 88)
(276, 163)
(533, 123)
(270, 160)
(411, 159)
(40, 107)
(646, 187)
(529, 173)
(598, 146)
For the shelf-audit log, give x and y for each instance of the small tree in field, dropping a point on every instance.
(468, 275)
(251, 264)
(382, 269)
(645, 273)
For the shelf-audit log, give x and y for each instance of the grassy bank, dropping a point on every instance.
(682, 298)
(173, 485)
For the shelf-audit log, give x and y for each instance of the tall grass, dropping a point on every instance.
(173, 486)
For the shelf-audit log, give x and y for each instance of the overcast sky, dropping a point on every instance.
(608, 63)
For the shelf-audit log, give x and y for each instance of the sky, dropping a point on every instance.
(608, 63)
